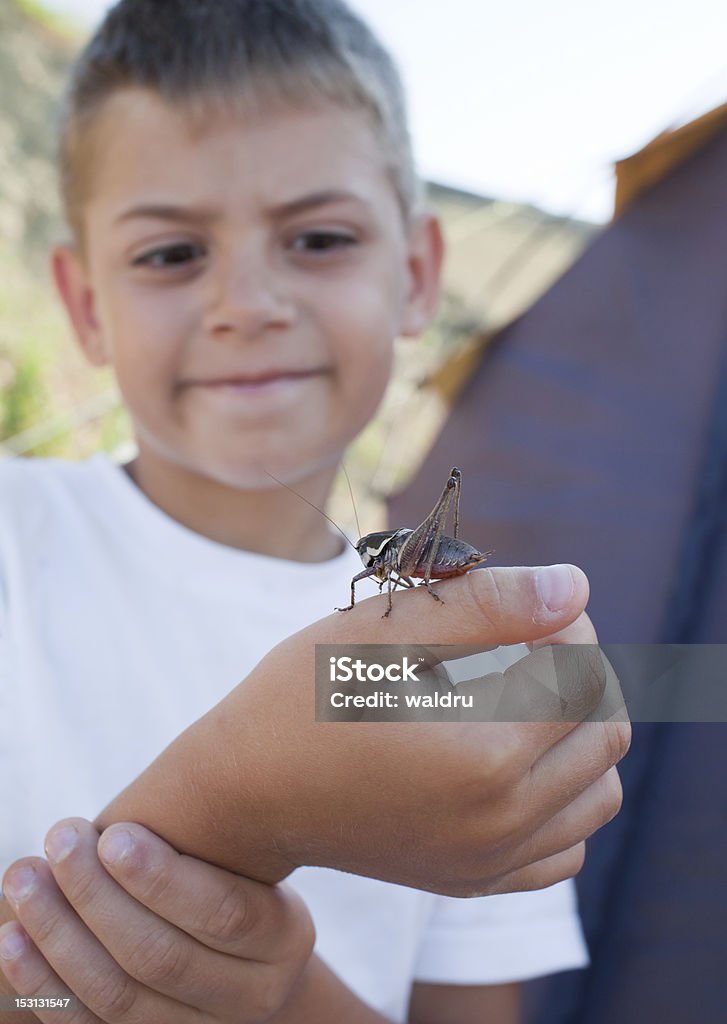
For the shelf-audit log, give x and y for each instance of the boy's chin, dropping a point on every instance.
(268, 473)
(248, 469)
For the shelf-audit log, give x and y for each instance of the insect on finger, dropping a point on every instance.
(425, 553)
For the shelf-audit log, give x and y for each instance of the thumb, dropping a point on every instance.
(487, 607)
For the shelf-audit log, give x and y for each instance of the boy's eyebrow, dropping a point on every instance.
(331, 195)
(163, 211)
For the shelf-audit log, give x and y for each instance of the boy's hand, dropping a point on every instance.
(174, 940)
(459, 808)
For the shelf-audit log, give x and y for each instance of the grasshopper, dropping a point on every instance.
(398, 557)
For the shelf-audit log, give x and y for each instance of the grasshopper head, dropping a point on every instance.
(372, 547)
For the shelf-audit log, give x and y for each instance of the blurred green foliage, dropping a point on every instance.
(49, 398)
(23, 398)
(53, 20)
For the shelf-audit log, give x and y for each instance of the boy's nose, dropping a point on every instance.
(246, 303)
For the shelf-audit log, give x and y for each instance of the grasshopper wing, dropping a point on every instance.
(422, 544)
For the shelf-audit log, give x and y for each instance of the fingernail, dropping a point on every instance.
(116, 846)
(554, 585)
(13, 943)
(59, 842)
(20, 884)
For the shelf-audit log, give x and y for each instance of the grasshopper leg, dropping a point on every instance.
(421, 547)
(361, 576)
(387, 613)
(428, 585)
(401, 581)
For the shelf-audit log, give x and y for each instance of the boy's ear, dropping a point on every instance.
(71, 278)
(426, 253)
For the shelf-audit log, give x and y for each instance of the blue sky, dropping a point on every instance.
(532, 100)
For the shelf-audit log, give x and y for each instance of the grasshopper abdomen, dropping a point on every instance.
(454, 557)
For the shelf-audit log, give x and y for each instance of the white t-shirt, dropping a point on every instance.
(119, 627)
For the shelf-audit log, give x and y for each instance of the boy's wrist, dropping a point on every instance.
(245, 786)
(231, 807)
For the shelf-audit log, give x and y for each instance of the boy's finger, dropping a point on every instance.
(589, 811)
(574, 764)
(222, 910)
(556, 850)
(155, 971)
(31, 975)
(576, 822)
(540, 699)
(487, 607)
(569, 793)
(543, 873)
(580, 631)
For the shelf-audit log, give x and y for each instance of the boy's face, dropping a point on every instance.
(246, 280)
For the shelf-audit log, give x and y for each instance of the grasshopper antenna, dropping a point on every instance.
(293, 491)
(353, 503)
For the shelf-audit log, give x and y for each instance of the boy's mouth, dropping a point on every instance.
(266, 384)
(258, 380)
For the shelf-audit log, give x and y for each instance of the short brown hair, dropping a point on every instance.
(204, 51)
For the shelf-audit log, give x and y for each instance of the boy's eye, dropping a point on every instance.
(175, 255)
(323, 241)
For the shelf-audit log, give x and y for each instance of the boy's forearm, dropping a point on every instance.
(321, 998)
(215, 793)
(465, 1004)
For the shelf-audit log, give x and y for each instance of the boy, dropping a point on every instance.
(247, 244)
